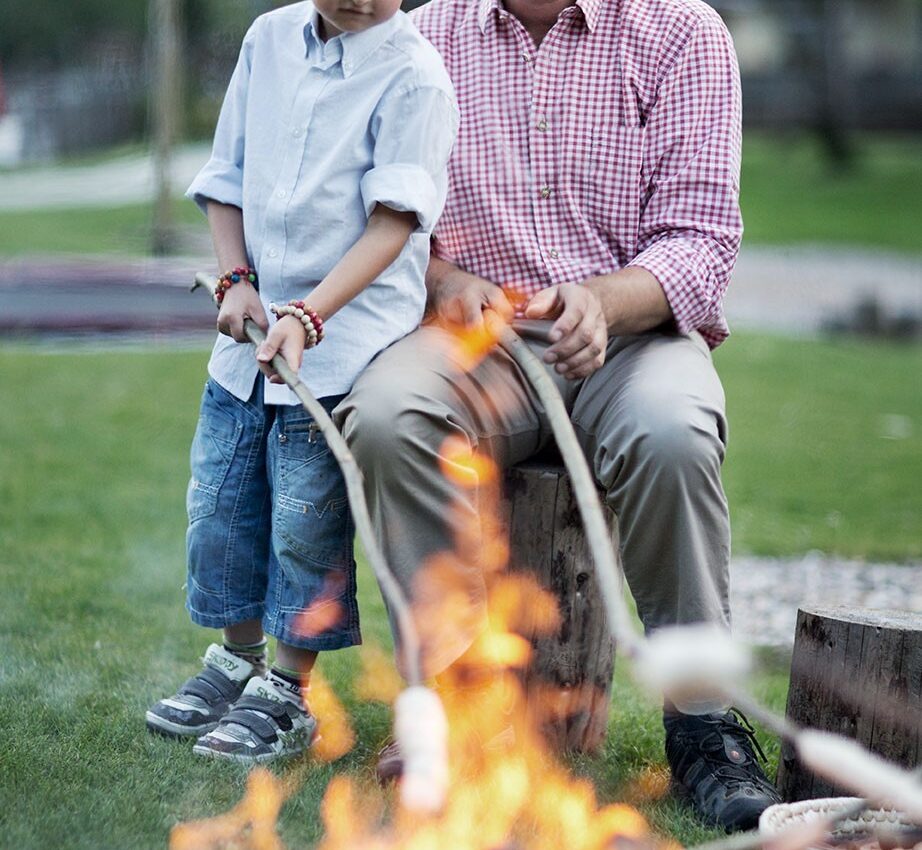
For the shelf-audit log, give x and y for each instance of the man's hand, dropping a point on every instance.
(579, 334)
(240, 302)
(459, 298)
(287, 338)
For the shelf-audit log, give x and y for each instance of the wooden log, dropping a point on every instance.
(856, 672)
(574, 667)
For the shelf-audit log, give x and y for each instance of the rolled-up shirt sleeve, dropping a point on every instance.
(414, 130)
(221, 178)
(691, 226)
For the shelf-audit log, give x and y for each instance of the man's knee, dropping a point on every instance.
(670, 436)
(684, 435)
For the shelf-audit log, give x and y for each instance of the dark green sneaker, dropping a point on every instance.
(713, 762)
(265, 724)
(204, 699)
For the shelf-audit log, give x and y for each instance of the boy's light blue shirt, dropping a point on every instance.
(310, 137)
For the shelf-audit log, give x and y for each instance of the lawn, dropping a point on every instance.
(92, 480)
(789, 195)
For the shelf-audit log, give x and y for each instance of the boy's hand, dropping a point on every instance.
(240, 302)
(287, 338)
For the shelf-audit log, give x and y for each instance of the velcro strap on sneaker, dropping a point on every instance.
(211, 684)
(259, 726)
(276, 710)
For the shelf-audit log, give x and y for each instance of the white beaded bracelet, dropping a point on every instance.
(313, 324)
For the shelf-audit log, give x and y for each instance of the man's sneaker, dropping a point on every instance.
(713, 760)
(264, 724)
(205, 698)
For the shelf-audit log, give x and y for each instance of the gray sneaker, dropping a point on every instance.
(264, 724)
(205, 698)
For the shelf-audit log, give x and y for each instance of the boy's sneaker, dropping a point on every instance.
(266, 723)
(713, 761)
(205, 698)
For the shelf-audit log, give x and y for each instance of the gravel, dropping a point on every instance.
(765, 593)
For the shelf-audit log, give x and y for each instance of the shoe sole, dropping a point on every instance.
(240, 758)
(161, 726)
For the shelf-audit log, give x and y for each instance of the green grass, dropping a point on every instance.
(790, 194)
(89, 230)
(825, 446)
(92, 480)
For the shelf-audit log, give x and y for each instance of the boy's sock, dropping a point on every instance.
(287, 682)
(254, 653)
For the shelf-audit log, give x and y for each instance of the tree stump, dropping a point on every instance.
(574, 666)
(856, 672)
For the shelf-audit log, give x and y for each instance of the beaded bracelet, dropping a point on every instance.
(307, 315)
(228, 279)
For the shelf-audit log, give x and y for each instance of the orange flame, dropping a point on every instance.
(507, 791)
(250, 825)
(471, 345)
(335, 737)
(379, 680)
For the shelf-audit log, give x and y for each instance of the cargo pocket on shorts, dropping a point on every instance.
(311, 509)
(216, 437)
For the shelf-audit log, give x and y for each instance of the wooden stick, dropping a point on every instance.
(392, 591)
(607, 570)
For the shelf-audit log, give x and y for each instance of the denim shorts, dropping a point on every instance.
(270, 533)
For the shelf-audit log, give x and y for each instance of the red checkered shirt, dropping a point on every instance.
(616, 143)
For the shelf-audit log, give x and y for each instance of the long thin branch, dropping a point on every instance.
(607, 569)
(390, 588)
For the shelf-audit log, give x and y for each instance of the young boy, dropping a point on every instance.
(327, 175)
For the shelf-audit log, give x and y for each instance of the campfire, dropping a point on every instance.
(478, 773)
(505, 789)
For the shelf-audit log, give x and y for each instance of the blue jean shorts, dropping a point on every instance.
(270, 533)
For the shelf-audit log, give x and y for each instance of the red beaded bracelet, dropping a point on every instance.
(228, 279)
(307, 315)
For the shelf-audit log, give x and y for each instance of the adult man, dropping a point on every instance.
(599, 146)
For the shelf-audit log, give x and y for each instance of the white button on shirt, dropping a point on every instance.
(311, 136)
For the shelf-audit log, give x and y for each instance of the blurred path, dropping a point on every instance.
(788, 290)
(123, 180)
(797, 289)
(785, 289)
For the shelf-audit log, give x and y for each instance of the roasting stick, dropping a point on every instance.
(392, 591)
(831, 755)
(607, 570)
(420, 725)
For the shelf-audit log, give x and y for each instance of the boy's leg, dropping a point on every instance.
(227, 544)
(310, 599)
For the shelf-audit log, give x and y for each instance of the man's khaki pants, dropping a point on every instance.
(650, 421)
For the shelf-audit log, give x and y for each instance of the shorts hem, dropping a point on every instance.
(231, 618)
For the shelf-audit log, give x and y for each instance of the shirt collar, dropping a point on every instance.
(591, 10)
(485, 11)
(349, 48)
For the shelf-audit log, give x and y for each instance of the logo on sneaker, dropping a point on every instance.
(268, 693)
(222, 661)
